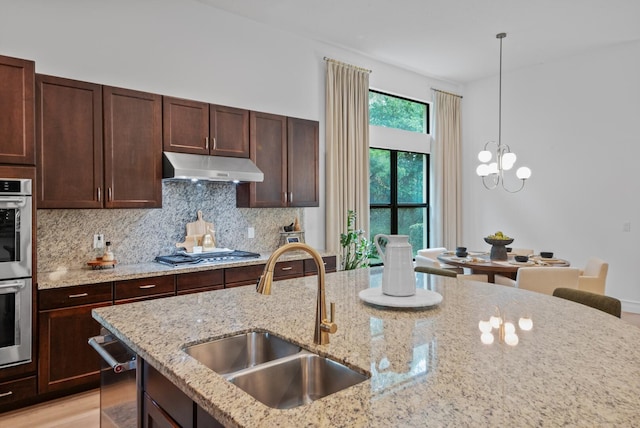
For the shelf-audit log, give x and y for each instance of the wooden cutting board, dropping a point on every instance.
(199, 227)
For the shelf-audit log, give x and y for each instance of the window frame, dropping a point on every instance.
(393, 204)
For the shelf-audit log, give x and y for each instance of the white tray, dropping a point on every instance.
(422, 298)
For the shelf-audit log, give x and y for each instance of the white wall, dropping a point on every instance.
(574, 123)
(186, 49)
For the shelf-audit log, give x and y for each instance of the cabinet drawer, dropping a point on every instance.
(143, 287)
(288, 269)
(242, 275)
(17, 390)
(195, 280)
(310, 267)
(56, 298)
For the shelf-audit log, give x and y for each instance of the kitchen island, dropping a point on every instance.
(428, 367)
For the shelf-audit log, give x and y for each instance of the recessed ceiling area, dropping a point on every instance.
(451, 40)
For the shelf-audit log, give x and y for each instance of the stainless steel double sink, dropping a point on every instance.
(276, 372)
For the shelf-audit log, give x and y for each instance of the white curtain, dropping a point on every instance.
(347, 142)
(446, 214)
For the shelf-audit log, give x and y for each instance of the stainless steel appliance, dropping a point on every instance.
(205, 258)
(15, 271)
(118, 382)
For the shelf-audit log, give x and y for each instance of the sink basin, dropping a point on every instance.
(293, 381)
(234, 353)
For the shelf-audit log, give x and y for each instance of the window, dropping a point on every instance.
(398, 183)
(398, 178)
(400, 113)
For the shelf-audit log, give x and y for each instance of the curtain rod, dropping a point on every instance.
(348, 65)
(445, 92)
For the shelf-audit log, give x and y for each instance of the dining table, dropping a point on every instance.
(480, 262)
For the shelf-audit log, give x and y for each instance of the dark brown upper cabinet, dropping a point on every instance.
(207, 129)
(132, 148)
(17, 129)
(98, 147)
(69, 143)
(286, 150)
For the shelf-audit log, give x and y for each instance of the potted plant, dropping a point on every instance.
(355, 246)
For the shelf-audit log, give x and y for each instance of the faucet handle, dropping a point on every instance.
(329, 325)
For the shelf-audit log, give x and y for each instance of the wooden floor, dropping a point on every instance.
(83, 410)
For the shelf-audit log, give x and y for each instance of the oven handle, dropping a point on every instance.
(117, 366)
(20, 201)
(11, 287)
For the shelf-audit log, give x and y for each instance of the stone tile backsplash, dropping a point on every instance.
(65, 236)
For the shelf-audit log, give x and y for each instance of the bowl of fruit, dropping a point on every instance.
(498, 242)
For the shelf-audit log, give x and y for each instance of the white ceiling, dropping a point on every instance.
(451, 39)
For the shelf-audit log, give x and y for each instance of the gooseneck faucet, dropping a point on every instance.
(323, 326)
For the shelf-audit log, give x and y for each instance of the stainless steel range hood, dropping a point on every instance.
(213, 168)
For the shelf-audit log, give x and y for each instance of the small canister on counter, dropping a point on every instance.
(108, 255)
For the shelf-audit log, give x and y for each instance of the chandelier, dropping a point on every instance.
(492, 169)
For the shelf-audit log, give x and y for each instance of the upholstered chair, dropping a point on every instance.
(546, 279)
(606, 304)
(593, 276)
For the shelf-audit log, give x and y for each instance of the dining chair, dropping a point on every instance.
(546, 279)
(607, 304)
(593, 277)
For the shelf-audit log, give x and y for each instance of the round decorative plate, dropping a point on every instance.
(422, 298)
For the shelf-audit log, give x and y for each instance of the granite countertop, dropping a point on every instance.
(428, 367)
(71, 277)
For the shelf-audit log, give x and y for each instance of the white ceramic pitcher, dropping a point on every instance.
(398, 277)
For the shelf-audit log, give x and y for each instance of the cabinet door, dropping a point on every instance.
(69, 143)
(133, 148)
(153, 416)
(268, 134)
(229, 131)
(66, 360)
(302, 163)
(185, 126)
(17, 111)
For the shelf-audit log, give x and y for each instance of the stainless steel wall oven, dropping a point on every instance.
(15, 271)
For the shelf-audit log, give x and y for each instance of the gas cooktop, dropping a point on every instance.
(205, 258)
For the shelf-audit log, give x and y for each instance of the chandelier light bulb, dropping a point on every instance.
(482, 170)
(508, 159)
(493, 168)
(484, 156)
(523, 173)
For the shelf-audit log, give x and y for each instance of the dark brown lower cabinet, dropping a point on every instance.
(164, 405)
(66, 361)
